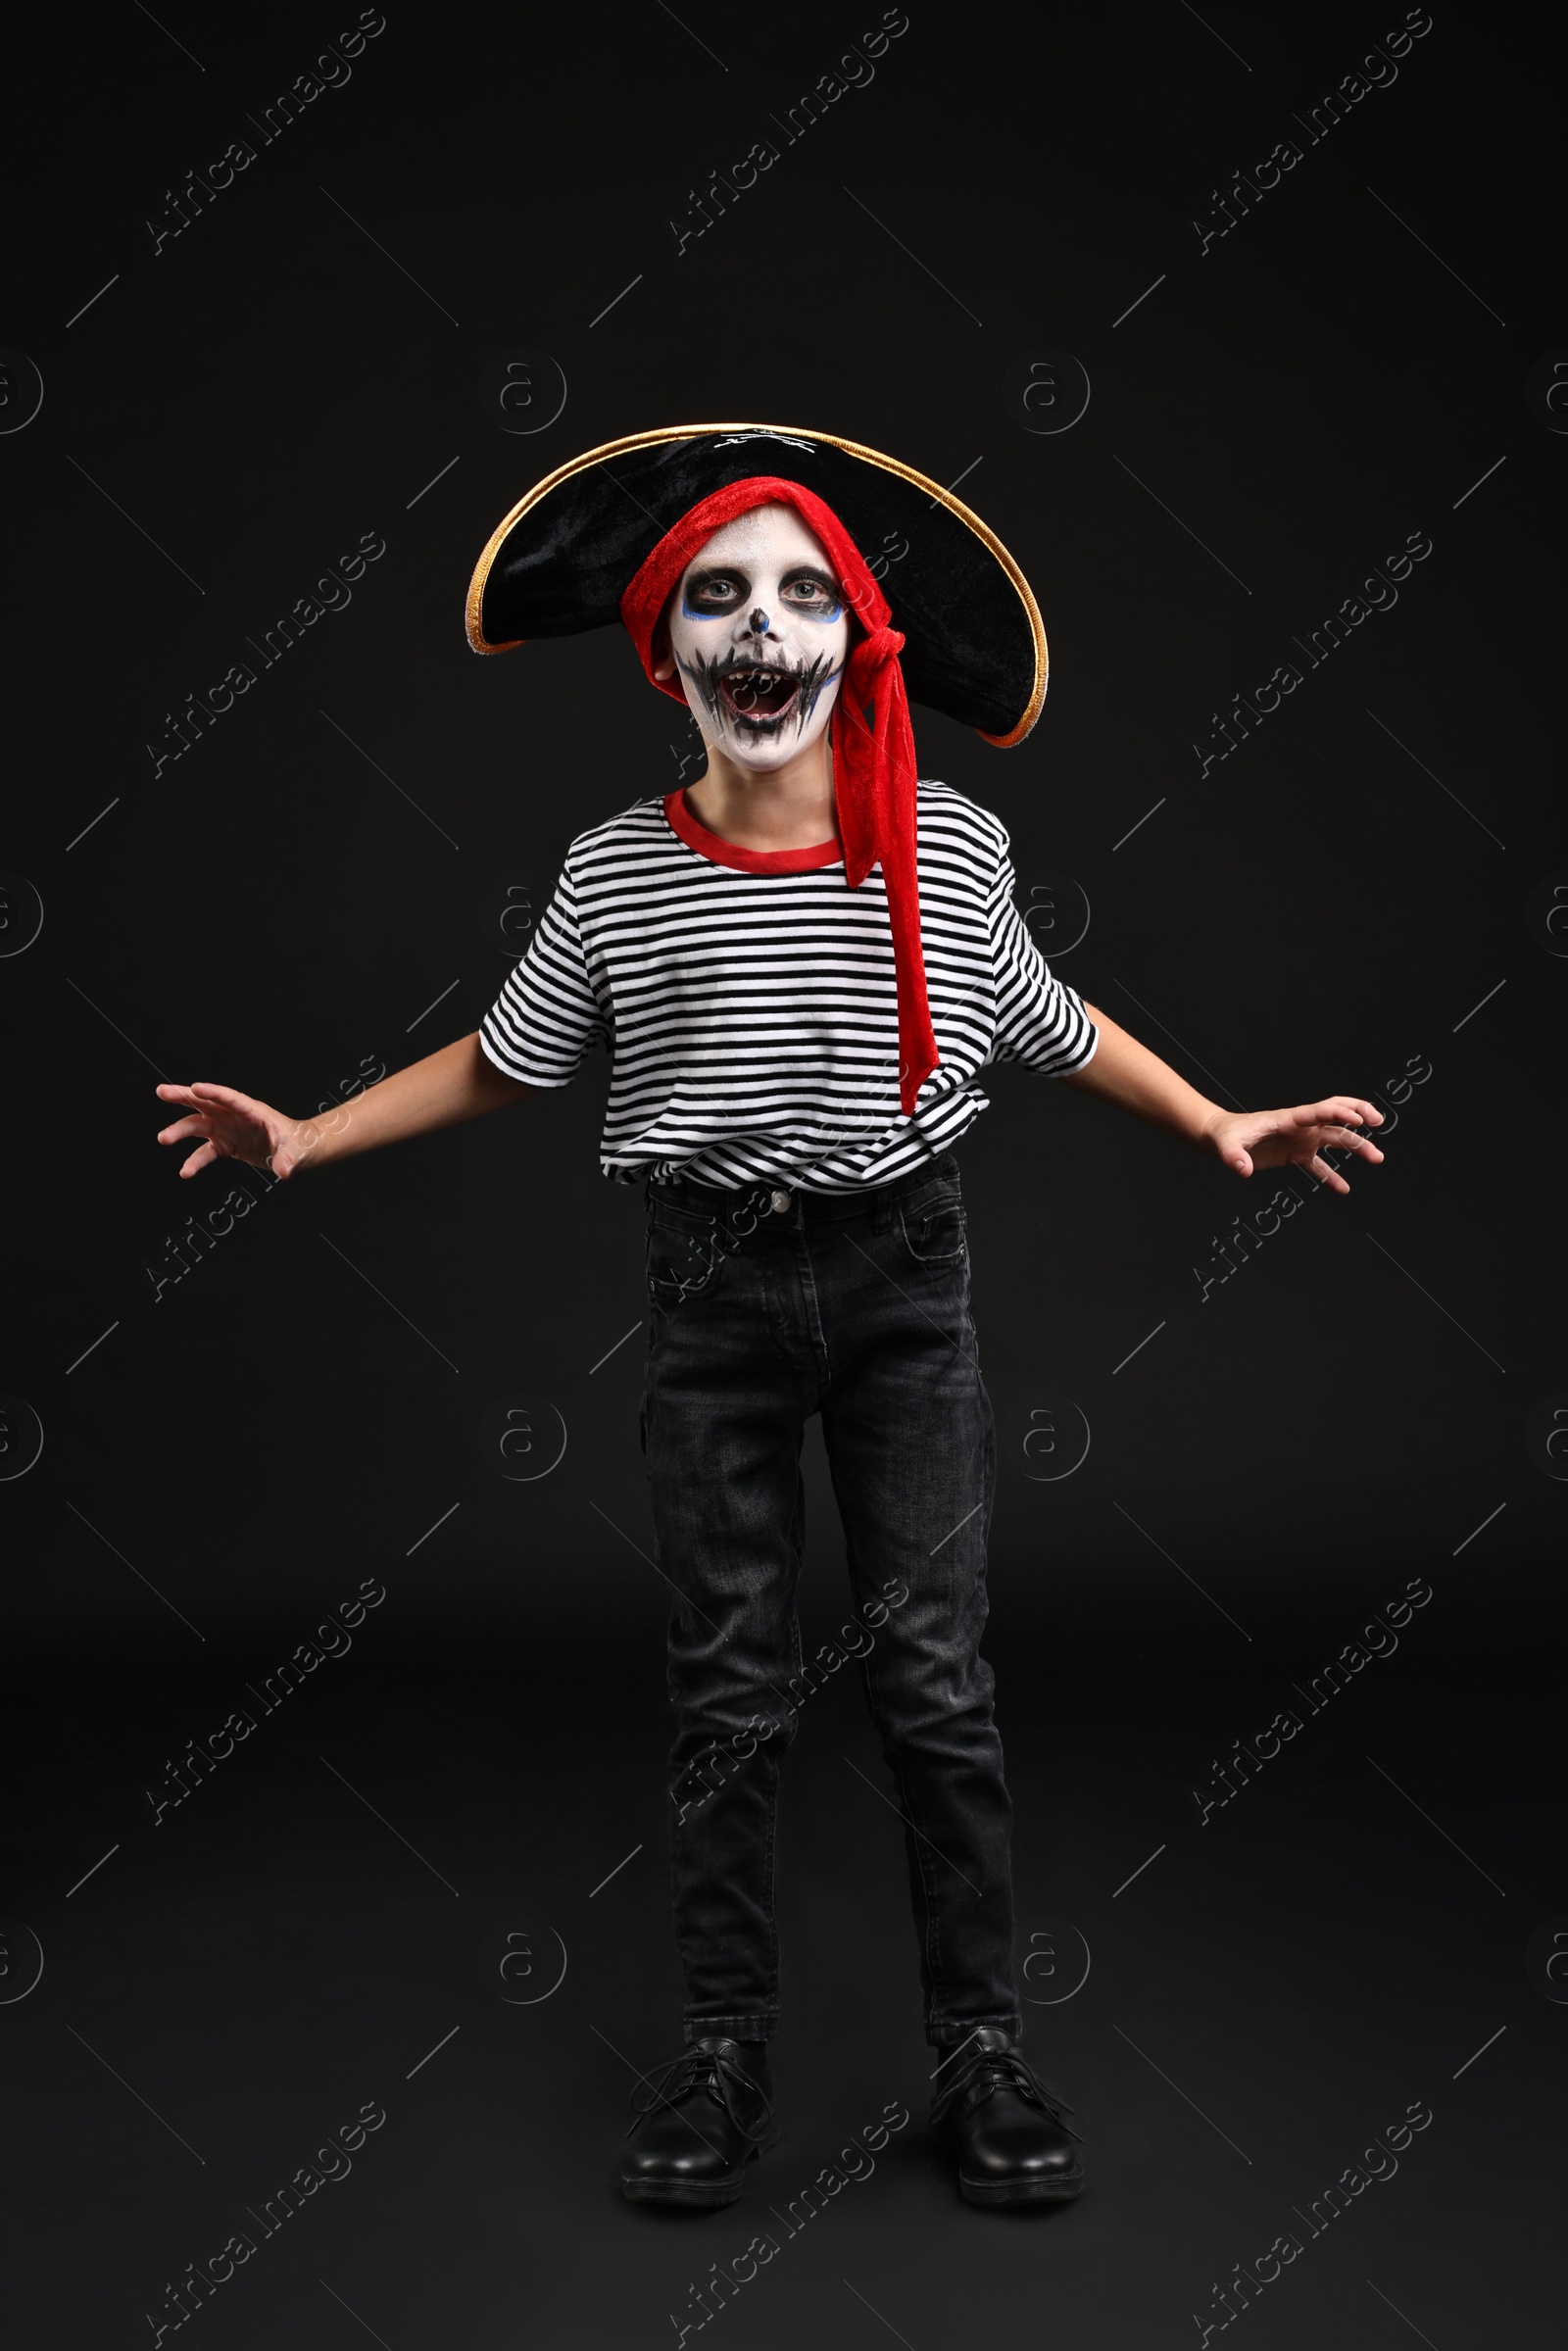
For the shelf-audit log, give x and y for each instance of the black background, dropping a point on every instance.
(281, 905)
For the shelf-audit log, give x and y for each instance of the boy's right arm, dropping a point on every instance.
(446, 1088)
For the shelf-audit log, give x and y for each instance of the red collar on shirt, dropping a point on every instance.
(746, 860)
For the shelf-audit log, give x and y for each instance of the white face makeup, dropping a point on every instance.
(759, 631)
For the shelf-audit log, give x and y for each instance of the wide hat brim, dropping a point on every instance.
(561, 562)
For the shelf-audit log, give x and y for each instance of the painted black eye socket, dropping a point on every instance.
(809, 588)
(719, 592)
(716, 590)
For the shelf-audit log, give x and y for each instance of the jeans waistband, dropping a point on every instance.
(752, 1203)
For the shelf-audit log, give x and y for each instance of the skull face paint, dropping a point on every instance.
(758, 631)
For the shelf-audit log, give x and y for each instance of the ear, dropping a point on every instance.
(663, 659)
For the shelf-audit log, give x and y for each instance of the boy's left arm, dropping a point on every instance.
(1127, 1073)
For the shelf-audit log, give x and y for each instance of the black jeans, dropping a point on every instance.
(768, 1306)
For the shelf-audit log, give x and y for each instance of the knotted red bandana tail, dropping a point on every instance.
(874, 743)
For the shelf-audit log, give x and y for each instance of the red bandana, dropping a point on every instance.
(873, 744)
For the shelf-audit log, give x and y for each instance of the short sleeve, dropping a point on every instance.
(1038, 1019)
(547, 1016)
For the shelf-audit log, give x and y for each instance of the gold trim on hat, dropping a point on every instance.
(871, 457)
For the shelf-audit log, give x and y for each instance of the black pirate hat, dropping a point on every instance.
(562, 559)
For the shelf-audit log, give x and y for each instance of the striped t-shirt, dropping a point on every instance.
(747, 1002)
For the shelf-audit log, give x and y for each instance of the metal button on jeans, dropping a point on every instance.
(780, 1204)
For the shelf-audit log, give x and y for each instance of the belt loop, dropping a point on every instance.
(883, 1222)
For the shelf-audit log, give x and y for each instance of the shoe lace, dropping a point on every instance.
(707, 2070)
(988, 2070)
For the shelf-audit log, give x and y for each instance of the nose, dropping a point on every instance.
(757, 622)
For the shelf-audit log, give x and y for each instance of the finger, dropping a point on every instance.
(1325, 1174)
(183, 1127)
(224, 1096)
(198, 1160)
(1346, 1138)
(176, 1094)
(1353, 1111)
(1238, 1161)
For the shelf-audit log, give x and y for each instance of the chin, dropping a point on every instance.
(763, 754)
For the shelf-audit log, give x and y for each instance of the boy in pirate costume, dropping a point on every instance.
(799, 964)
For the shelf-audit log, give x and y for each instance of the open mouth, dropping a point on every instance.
(757, 695)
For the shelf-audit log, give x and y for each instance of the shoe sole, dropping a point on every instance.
(709, 2195)
(1061, 2190)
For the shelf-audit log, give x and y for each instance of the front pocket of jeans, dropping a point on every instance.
(681, 1265)
(936, 1233)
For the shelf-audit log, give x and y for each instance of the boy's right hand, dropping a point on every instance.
(231, 1126)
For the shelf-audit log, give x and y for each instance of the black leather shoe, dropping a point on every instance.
(699, 2118)
(1004, 2126)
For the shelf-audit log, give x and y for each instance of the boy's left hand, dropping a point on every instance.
(1251, 1139)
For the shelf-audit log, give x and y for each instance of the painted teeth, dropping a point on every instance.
(764, 686)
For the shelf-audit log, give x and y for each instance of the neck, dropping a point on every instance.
(791, 806)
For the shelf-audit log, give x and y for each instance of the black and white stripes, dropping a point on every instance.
(750, 1016)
